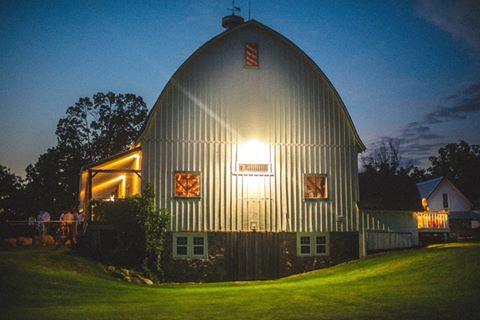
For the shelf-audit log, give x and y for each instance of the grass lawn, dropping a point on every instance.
(439, 282)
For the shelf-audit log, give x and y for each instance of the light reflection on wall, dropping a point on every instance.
(253, 152)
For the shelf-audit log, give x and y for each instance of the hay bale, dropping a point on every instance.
(47, 240)
(24, 241)
(10, 242)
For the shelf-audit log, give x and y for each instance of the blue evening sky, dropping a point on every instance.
(407, 70)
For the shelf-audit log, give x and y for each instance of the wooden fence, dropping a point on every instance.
(387, 240)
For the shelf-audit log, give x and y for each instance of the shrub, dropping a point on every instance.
(139, 229)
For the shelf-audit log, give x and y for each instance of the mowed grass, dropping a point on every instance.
(439, 282)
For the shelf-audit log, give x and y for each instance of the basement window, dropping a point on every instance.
(305, 245)
(315, 187)
(181, 246)
(188, 245)
(312, 244)
(198, 246)
(187, 184)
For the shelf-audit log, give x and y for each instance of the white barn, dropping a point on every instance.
(253, 151)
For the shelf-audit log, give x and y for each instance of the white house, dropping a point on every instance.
(440, 194)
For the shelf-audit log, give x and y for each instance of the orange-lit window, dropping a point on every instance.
(187, 184)
(315, 186)
(251, 55)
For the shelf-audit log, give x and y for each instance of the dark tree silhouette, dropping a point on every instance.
(460, 163)
(384, 183)
(10, 189)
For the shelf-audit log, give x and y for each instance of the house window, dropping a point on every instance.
(312, 244)
(189, 245)
(315, 186)
(251, 55)
(187, 184)
(445, 200)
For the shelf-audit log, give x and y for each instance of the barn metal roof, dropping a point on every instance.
(111, 158)
(426, 188)
(252, 22)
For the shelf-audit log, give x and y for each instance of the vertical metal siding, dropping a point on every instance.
(210, 105)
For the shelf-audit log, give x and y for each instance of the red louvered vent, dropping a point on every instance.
(251, 55)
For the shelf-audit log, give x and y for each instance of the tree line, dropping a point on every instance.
(387, 184)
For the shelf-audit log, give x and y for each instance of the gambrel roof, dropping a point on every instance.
(255, 24)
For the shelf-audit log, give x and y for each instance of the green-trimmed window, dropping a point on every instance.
(312, 244)
(189, 245)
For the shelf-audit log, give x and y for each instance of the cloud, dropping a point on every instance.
(419, 149)
(460, 18)
(415, 131)
(461, 106)
(418, 140)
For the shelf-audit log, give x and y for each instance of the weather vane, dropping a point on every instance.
(234, 8)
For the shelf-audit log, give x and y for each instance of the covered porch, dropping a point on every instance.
(433, 226)
(110, 179)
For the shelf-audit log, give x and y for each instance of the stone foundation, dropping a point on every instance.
(255, 255)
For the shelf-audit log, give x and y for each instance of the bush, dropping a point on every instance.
(140, 229)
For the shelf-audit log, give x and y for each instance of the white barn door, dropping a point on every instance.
(255, 201)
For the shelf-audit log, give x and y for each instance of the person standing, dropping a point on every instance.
(40, 223)
(31, 226)
(71, 222)
(63, 225)
(45, 222)
(81, 221)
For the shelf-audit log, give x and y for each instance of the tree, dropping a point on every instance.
(10, 189)
(460, 163)
(45, 187)
(99, 127)
(92, 129)
(384, 183)
(419, 175)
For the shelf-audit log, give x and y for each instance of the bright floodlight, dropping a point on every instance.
(254, 152)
